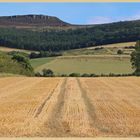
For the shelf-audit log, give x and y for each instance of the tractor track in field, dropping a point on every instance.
(68, 109)
(95, 123)
(59, 126)
(39, 110)
(53, 123)
(75, 118)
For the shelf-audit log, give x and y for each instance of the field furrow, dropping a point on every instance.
(52, 124)
(73, 117)
(70, 107)
(23, 106)
(116, 104)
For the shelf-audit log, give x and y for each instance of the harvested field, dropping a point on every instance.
(79, 107)
(22, 104)
(6, 49)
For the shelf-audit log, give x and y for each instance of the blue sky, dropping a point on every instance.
(76, 13)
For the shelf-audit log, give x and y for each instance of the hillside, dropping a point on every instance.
(59, 40)
(31, 20)
(109, 49)
(9, 66)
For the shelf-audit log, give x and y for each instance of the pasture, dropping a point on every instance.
(117, 45)
(70, 107)
(37, 62)
(85, 64)
(110, 49)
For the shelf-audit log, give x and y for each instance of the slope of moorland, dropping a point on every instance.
(31, 21)
(58, 40)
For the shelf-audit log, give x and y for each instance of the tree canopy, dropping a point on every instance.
(70, 39)
(135, 58)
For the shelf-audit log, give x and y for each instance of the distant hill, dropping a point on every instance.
(31, 20)
(39, 38)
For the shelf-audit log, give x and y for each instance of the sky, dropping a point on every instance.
(76, 13)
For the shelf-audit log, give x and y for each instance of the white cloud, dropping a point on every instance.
(103, 19)
(99, 20)
(128, 18)
(135, 17)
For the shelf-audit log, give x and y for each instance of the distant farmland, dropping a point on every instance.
(110, 49)
(6, 49)
(85, 64)
(90, 60)
(83, 107)
(117, 45)
(40, 61)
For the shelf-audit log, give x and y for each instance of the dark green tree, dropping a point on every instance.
(135, 58)
(119, 52)
(47, 73)
(24, 61)
(59, 40)
(74, 75)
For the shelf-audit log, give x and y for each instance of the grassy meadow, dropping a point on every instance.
(36, 63)
(90, 60)
(84, 64)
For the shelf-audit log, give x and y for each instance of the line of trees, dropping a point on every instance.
(70, 39)
(44, 54)
(24, 61)
(135, 59)
(50, 73)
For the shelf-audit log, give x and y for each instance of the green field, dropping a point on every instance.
(110, 49)
(82, 64)
(36, 63)
(89, 60)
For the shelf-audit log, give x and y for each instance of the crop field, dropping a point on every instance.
(6, 49)
(85, 64)
(117, 45)
(110, 49)
(70, 107)
(37, 62)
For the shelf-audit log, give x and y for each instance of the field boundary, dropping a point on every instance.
(93, 56)
(39, 68)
